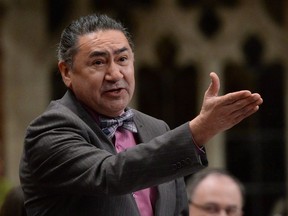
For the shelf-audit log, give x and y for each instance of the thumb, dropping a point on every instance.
(214, 86)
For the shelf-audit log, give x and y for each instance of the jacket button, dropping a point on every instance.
(188, 161)
(179, 165)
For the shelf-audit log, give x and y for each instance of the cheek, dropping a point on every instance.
(86, 84)
(131, 78)
(132, 81)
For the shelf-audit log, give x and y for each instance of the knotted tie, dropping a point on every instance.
(110, 125)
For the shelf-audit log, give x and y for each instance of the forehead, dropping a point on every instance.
(218, 189)
(103, 40)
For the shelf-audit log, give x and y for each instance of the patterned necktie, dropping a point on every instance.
(110, 125)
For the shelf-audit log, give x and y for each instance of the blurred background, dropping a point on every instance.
(178, 43)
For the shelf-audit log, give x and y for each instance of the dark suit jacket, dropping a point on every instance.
(69, 167)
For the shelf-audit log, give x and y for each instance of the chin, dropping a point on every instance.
(115, 111)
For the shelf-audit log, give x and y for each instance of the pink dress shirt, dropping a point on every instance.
(145, 198)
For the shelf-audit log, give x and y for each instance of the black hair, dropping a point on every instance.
(67, 46)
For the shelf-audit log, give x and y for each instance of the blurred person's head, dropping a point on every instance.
(215, 192)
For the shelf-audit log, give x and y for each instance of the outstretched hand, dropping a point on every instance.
(219, 113)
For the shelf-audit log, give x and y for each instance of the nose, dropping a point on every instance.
(113, 72)
(223, 212)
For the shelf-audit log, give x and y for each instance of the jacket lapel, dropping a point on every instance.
(74, 105)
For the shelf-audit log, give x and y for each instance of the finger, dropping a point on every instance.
(245, 113)
(258, 98)
(247, 110)
(242, 108)
(253, 100)
(214, 86)
(234, 97)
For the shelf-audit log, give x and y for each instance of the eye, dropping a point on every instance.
(123, 59)
(232, 210)
(98, 62)
(212, 208)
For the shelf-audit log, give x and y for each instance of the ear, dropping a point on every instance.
(65, 71)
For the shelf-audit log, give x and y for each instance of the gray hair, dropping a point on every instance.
(67, 48)
(198, 177)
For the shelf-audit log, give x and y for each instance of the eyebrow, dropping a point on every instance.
(230, 206)
(123, 49)
(105, 53)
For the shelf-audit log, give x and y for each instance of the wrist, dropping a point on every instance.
(200, 132)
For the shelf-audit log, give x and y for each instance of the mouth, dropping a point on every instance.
(114, 92)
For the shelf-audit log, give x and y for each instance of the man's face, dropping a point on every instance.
(216, 195)
(102, 75)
